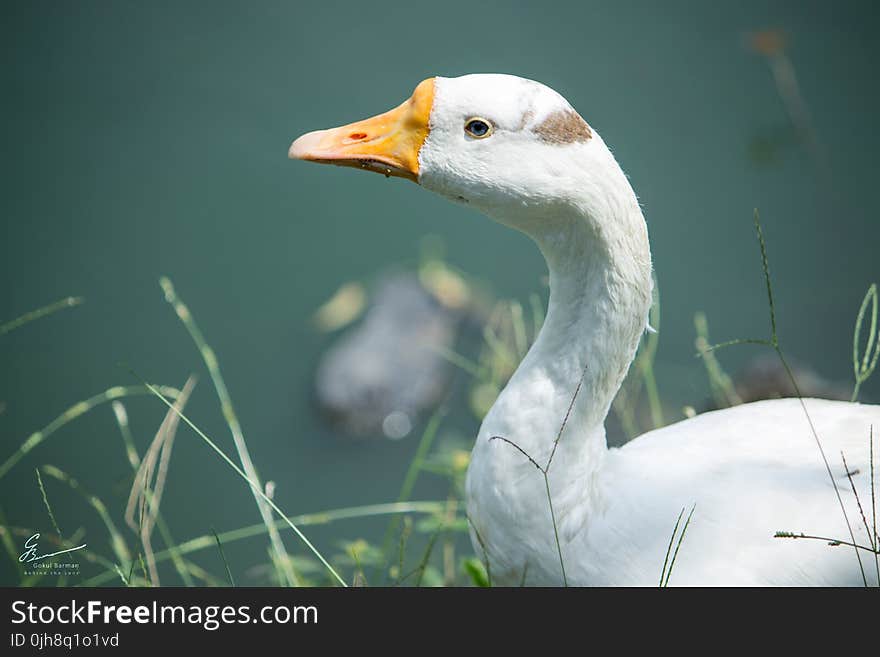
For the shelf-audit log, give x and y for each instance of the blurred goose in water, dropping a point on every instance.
(517, 151)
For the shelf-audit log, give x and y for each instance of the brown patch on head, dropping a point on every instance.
(563, 127)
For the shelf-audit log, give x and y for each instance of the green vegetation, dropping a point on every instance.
(506, 338)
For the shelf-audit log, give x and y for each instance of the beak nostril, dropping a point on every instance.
(358, 136)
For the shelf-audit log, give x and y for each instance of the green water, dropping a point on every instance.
(149, 139)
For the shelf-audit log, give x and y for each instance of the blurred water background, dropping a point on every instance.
(150, 139)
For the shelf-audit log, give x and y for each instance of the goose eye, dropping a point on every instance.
(478, 128)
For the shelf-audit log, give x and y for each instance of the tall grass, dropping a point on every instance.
(281, 558)
(409, 480)
(506, 340)
(146, 496)
(207, 541)
(255, 486)
(773, 342)
(183, 568)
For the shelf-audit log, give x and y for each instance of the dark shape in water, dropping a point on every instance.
(381, 375)
(764, 377)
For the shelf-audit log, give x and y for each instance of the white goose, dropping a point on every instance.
(517, 151)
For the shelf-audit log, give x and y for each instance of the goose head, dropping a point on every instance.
(511, 148)
(517, 151)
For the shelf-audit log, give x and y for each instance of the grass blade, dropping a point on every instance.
(146, 494)
(720, 383)
(665, 583)
(864, 367)
(76, 411)
(223, 557)
(412, 474)
(669, 548)
(46, 503)
(876, 538)
(183, 569)
(18, 322)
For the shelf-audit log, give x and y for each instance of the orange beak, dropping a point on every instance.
(387, 144)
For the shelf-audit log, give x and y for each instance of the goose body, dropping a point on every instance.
(748, 471)
(517, 151)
